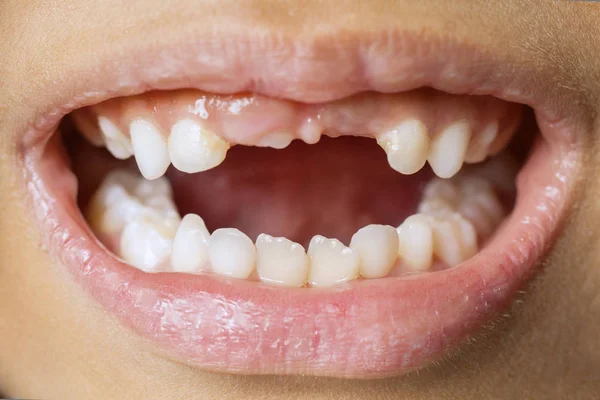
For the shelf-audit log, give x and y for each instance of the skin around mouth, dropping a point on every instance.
(236, 325)
(81, 323)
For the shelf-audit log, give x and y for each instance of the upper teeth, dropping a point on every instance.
(192, 147)
(448, 149)
(140, 216)
(407, 146)
(149, 148)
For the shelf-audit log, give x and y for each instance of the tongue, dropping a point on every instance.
(332, 188)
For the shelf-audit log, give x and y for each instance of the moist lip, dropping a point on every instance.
(363, 329)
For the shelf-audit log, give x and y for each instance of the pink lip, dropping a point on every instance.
(364, 329)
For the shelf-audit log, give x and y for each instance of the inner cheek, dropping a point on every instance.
(333, 188)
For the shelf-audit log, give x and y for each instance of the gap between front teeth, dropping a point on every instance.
(139, 221)
(193, 145)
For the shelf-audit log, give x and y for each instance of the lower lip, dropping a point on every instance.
(365, 329)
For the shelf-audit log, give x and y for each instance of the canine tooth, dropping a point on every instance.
(231, 253)
(146, 242)
(448, 149)
(276, 140)
(406, 146)
(88, 127)
(116, 142)
(190, 246)
(454, 238)
(195, 149)
(479, 147)
(415, 238)
(281, 261)
(377, 248)
(331, 262)
(149, 148)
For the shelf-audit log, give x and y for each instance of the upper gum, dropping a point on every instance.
(246, 118)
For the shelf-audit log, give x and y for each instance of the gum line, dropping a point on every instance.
(194, 130)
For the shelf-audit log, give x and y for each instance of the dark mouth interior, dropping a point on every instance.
(331, 188)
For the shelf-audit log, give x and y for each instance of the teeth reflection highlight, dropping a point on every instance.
(190, 246)
(448, 149)
(331, 262)
(415, 243)
(479, 148)
(231, 253)
(454, 238)
(194, 149)
(149, 148)
(406, 146)
(116, 142)
(281, 261)
(146, 243)
(377, 247)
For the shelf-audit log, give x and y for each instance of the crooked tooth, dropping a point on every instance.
(281, 261)
(146, 243)
(116, 142)
(123, 195)
(415, 238)
(231, 253)
(454, 238)
(190, 246)
(195, 149)
(276, 140)
(149, 148)
(448, 149)
(331, 262)
(377, 248)
(480, 145)
(406, 146)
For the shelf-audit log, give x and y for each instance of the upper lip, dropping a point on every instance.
(381, 329)
(312, 69)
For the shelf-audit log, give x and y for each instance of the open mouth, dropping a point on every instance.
(348, 234)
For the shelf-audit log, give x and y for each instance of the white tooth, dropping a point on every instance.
(146, 189)
(124, 195)
(442, 189)
(448, 149)
(415, 239)
(331, 262)
(146, 243)
(149, 148)
(377, 248)
(190, 246)
(454, 238)
(407, 146)
(281, 261)
(480, 145)
(194, 149)
(117, 143)
(231, 253)
(276, 140)
(436, 207)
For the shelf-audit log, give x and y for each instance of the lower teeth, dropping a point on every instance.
(139, 221)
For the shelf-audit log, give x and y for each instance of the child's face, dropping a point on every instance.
(482, 279)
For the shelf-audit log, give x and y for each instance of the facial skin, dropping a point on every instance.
(57, 343)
